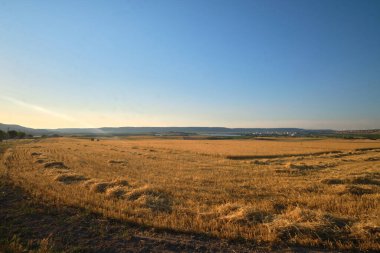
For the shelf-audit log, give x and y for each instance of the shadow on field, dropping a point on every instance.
(28, 226)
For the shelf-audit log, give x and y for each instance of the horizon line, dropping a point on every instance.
(334, 129)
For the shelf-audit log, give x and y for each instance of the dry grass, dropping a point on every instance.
(115, 192)
(69, 178)
(57, 165)
(152, 198)
(323, 193)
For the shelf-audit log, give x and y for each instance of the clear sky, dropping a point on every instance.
(86, 63)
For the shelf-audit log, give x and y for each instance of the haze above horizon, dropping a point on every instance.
(306, 64)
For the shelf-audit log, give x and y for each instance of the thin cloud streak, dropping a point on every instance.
(39, 109)
(47, 111)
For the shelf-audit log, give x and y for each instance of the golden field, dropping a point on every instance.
(304, 192)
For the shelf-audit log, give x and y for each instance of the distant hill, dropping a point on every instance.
(167, 130)
(164, 130)
(27, 130)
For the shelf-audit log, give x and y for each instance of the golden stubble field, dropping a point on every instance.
(322, 193)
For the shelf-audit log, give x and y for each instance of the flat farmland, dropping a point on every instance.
(322, 193)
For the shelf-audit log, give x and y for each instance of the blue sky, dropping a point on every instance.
(311, 64)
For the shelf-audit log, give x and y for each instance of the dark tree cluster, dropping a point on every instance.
(12, 134)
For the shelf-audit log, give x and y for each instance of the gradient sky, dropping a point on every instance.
(86, 63)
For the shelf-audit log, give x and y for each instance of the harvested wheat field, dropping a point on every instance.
(317, 193)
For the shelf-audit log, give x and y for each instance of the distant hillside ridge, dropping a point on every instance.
(165, 130)
(27, 130)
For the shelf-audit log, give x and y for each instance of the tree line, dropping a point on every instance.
(13, 134)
